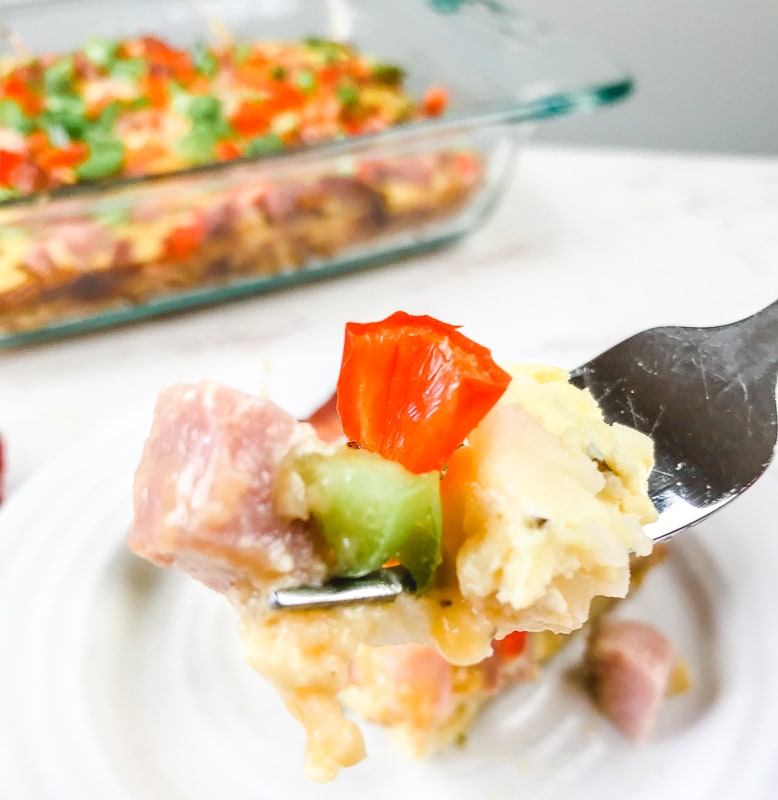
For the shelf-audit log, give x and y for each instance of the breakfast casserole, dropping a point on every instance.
(124, 111)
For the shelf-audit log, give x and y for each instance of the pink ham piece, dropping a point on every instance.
(631, 664)
(84, 241)
(203, 496)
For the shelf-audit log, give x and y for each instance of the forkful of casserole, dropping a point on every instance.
(497, 499)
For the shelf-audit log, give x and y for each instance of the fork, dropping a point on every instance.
(706, 396)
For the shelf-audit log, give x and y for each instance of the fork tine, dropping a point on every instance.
(377, 587)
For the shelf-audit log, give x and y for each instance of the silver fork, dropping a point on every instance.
(706, 396)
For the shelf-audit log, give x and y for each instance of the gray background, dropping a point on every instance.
(706, 70)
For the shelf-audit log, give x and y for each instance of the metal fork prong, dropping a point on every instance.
(377, 587)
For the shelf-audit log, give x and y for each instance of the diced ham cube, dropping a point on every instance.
(284, 201)
(37, 260)
(204, 491)
(630, 664)
(220, 218)
(85, 241)
(77, 244)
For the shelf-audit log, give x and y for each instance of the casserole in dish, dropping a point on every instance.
(95, 241)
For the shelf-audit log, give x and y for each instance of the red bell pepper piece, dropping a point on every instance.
(411, 388)
(182, 241)
(511, 646)
(9, 161)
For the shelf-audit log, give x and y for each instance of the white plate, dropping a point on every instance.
(122, 681)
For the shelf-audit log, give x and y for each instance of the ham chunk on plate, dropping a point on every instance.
(203, 491)
(631, 664)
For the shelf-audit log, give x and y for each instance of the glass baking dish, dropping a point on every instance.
(89, 255)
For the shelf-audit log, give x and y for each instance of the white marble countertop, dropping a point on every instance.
(587, 247)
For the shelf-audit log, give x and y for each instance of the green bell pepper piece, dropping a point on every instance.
(106, 157)
(348, 96)
(306, 81)
(131, 68)
(58, 78)
(204, 60)
(204, 108)
(198, 146)
(370, 510)
(101, 52)
(12, 116)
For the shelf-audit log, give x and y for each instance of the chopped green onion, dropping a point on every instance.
(348, 96)
(329, 50)
(198, 146)
(204, 108)
(131, 68)
(387, 73)
(218, 127)
(264, 145)
(106, 157)
(204, 60)
(109, 116)
(306, 81)
(101, 52)
(12, 116)
(66, 103)
(278, 72)
(59, 76)
(69, 118)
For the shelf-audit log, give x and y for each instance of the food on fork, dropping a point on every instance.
(504, 493)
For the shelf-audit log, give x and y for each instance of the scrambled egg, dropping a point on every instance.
(552, 503)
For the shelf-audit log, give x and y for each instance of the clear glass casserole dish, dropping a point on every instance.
(94, 254)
